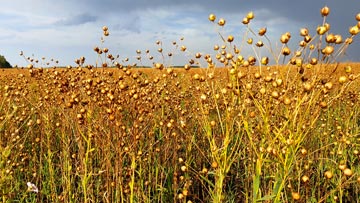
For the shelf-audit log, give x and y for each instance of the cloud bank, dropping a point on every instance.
(70, 29)
(77, 20)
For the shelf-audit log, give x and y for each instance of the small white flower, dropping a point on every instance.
(32, 187)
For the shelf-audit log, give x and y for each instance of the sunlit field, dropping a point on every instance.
(235, 130)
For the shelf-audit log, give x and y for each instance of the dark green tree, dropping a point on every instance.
(4, 63)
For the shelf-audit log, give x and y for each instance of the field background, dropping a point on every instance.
(175, 135)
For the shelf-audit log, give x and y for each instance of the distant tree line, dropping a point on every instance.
(4, 63)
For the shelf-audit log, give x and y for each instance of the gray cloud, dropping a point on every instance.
(278, 15)
(138, 23)
(4, 37)
(306, 9)
(131, 24)
(77, 20)
(306, 13)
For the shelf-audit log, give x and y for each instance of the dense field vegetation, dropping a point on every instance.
(248, 132)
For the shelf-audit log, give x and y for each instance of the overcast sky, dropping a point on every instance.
(65, 30)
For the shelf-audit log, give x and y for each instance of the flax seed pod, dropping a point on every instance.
(285, 38)
(347, 172)
(330, 38)
(230, 38)
(321, 30)
(328, 174)
(342, 79)
(354, 30)
(245, 21)
(286, 51)
(338, 39)
(325, 11)
(259, 44)
(328, 50)
(250, 15)
(357, 17)
(305, 179)
(304, 32)
(221, 22)
(262, 31)
(212, 17)
(307, 38)
(295, 195)
(313, 61)
(265, 60)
